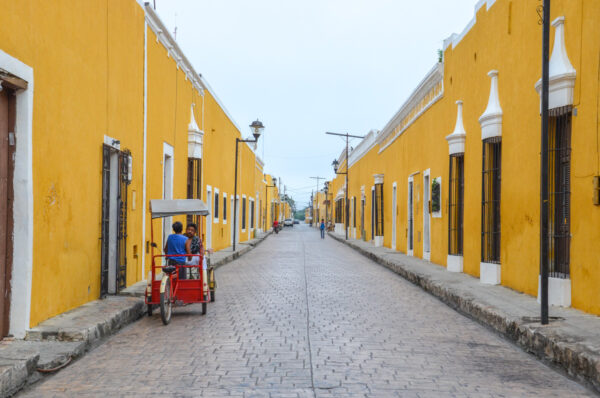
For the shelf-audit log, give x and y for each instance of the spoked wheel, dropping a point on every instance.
(149, 309)
(166, 303)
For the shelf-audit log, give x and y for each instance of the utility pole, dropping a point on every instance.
(544, 166)
(346, 207)
(316, 193)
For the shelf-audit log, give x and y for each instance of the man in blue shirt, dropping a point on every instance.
(176, 245)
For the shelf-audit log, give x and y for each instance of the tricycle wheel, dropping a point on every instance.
(149, 309)
(166, 304)
(204, 306)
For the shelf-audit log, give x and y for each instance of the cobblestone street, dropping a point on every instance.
(303, 317)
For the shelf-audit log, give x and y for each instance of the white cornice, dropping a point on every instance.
(433, 78)
(365, 145)
(454, 38)
(198, 81)
(173, 50)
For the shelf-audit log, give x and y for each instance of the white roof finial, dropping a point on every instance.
(456, 140)
(491, 120)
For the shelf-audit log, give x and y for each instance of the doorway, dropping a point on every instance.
(209, 217)
(362, 218)
(394, 204)
(426, 216)
(7, 151)
(113, 262)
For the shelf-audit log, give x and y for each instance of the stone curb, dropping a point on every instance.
(550, 346)
(57, 345)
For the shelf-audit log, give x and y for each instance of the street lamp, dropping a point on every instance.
(335, 165)
(257, 128)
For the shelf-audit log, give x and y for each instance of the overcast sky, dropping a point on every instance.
(306, 67)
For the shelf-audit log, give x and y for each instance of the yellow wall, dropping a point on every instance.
(88, 66)
(510, 44)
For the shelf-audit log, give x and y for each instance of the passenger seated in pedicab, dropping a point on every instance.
(193, 245)
(176, 245)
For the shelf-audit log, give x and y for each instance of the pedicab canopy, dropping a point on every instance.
(174, 207)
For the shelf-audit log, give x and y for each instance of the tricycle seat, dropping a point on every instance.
(169, 269)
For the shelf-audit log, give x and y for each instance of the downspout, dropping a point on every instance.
(145, 146)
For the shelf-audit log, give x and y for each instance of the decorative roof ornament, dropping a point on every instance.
(491, 120)
(561, 73)
(195, 137)
(456, 140)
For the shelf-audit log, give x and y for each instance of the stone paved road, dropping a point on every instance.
(304, 317)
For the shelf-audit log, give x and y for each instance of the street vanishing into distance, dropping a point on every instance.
(299, 316)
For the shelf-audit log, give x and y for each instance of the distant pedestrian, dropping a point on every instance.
(322, 228)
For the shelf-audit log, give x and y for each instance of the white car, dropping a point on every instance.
(288, 222)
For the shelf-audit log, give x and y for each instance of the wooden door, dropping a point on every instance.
(7, 145)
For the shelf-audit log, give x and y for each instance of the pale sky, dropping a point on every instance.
(306, 67)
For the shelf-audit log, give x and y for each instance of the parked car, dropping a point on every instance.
(296, 221)
(288, 222)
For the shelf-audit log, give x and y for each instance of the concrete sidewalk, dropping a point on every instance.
(570, 342)
(56, 342)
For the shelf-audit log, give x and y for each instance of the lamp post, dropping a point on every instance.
(257, 128)
(335, 165)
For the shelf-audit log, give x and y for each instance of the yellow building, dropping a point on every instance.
(454, 176)
(118, 116)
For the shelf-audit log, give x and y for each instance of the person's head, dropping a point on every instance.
(177, 227)
(191, 230)
(322, 220)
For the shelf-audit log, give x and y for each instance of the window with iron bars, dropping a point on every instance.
(251, 214)
(456, 204)
(194, 186)
(490, 200)
(410, 236)
(378, 209)
(243, 213)
(354, 212)
(339, 211)
(559, 190)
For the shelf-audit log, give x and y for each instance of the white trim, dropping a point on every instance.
(394, 217)
(408, 211)
(365, 145)
(559, 291)
(454, 263)
(223, 210)
(454, 38)
(491, 119)
(562, 75)
(209, 223)
(167, 151)
(456, 140)
(23, 233)
(426, 213)
(112, 142)
(489, 273)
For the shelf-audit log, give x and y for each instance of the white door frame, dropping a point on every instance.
(426, 214)
(209, 217)
(23, 233)
(394, 206)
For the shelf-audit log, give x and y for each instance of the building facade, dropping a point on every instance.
(102, 112)
(454, 176)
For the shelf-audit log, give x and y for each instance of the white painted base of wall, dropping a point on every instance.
(489, 273)
(378, 241)
(427, 256)
(454, 263)
(353, 233)
(559, 291)
(339, 229)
